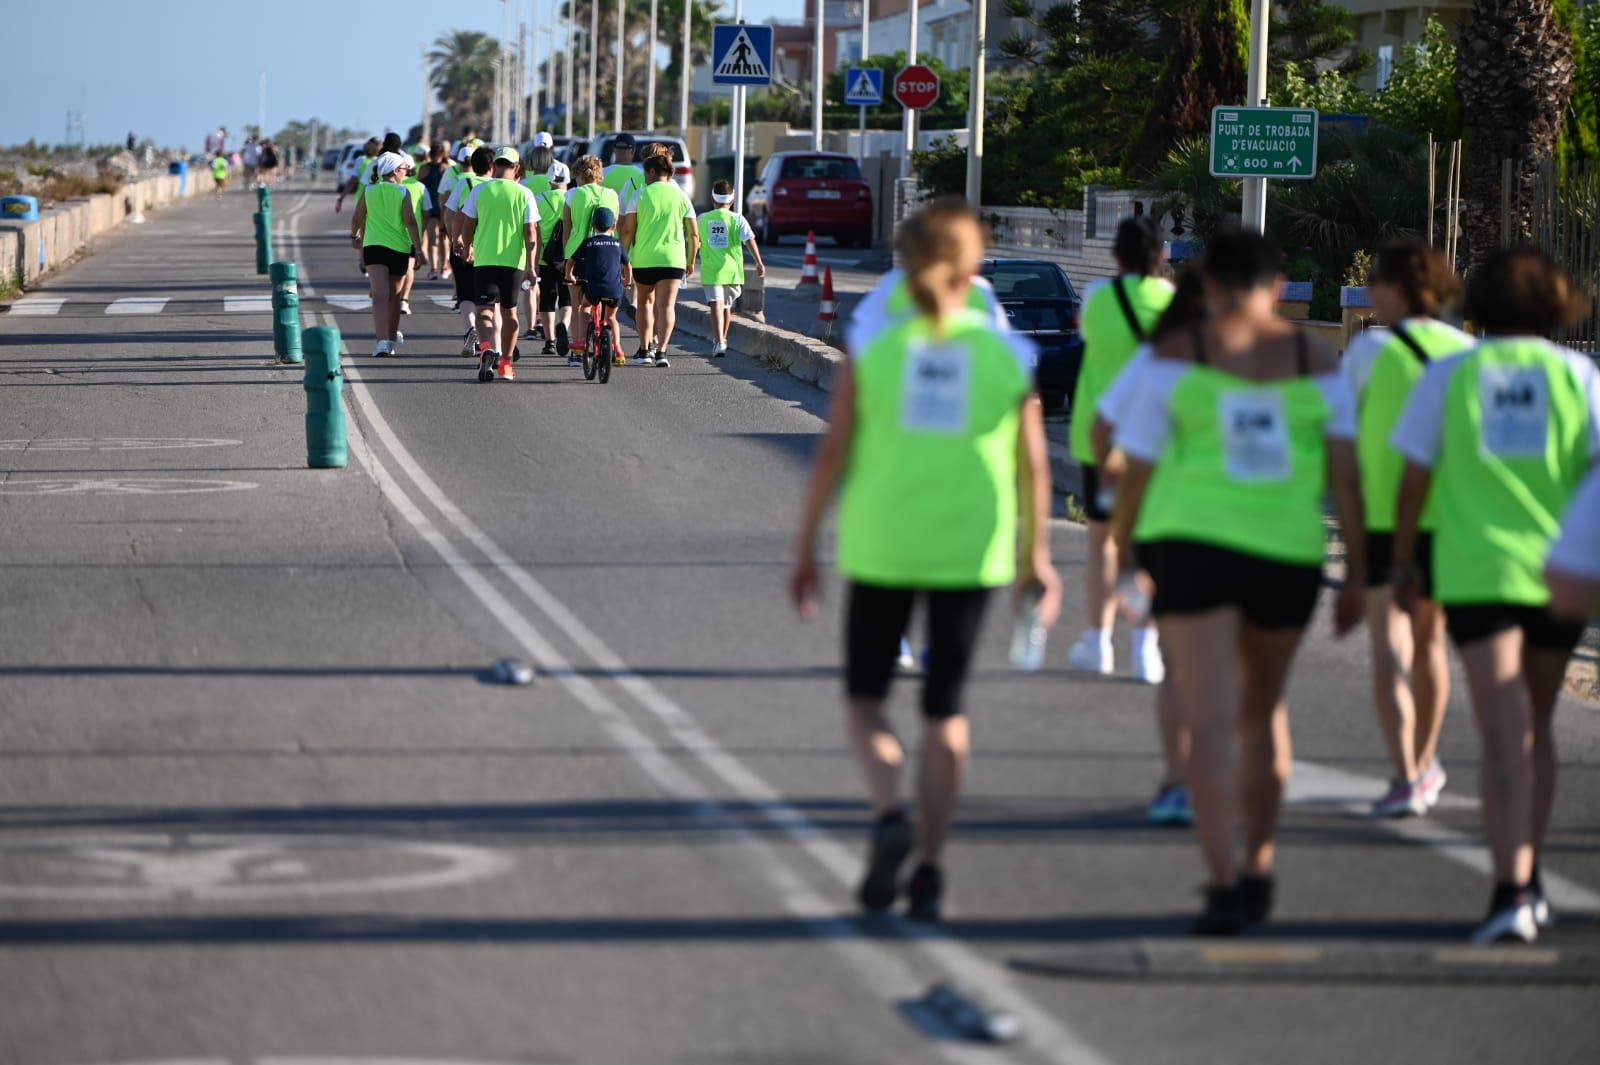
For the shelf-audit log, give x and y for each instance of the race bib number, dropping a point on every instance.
(717, 234)
(1255, 436)
(938, 390)
(1516, 410)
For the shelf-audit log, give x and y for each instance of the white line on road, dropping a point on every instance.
(349, 302)
(37, 307)
(137, 305)
(247, 304)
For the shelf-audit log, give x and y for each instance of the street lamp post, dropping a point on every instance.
(975, 102)
(1255, 189)
(686, 66)
(816, 76)
(616, 100)
(650, 70)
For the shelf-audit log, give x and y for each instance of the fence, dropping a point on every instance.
(1563, 204)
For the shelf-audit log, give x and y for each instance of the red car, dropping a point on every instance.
(801, 191)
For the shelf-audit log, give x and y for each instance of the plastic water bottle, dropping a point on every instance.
(1028, 638)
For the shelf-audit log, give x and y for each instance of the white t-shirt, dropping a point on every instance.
(1420, 432)
(1118, 397)
(1577, 549)
(530, 214)
(1358, 359)
(1144, 432)
(871, 316)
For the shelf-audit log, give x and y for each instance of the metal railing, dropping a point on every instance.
(1562, 210)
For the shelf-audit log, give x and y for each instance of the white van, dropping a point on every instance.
(350, 153)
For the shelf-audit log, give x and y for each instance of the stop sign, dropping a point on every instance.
(916, 87)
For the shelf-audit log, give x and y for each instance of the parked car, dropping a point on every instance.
(802, 191)
(572, 150)
(1039, 300)
(330, 159)
(350, 153)
(682, 167)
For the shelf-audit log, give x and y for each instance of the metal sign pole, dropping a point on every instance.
(816, 77)
(1254, 213)
(975, 103)
(909, 128)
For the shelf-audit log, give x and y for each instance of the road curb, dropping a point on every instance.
(805, 358)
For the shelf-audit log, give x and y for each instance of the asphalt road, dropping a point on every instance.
(261, 803)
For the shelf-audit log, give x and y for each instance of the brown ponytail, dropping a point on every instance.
(935, 245)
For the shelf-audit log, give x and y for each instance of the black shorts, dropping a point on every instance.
(433, 212)
(875, 620)
(377, 255)
(1380, 560)
(497, 284)
(1193, 578)
(553, 290)
(461, 273)
(1468, 623)
(1091, 495)
(592, 298)
(654, 275)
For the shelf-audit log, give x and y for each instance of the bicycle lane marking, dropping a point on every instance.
(1047, 1036)
(880, 970)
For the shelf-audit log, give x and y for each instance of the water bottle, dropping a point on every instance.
(1027, 639)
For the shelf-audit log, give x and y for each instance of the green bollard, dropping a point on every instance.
(263, 242)
(326, 447)
(286, 312)
(263, 197)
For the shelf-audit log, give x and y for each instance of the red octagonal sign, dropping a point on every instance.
(916, 87)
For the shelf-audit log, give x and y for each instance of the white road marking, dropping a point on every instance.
(247, 304)
(137, 305)
(116, 443)
(120, 486)
(228, 868)
(345, 302)
(446, 302)
(36, 307)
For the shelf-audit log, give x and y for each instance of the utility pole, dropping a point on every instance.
(427, 100)
(686, 67)
(910, 130)
(866, 50)
(569, 101)
(1255, 189)
(975, 102)
(594, 63)
(533, 67)
(650, 71)
(616, 99)
(816, 75)
(736, 125)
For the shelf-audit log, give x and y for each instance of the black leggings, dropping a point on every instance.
(876, 618)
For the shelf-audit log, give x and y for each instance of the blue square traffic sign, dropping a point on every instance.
(741, 55)
(863, 86)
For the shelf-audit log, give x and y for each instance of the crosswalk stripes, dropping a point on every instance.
(137, 305)
(447, 302)
(350, 302)
(37, 307)
(247, 304)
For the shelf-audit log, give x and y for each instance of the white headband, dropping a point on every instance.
(722, 197)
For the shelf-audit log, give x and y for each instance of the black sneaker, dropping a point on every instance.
(661, 358)
(891, 844)
(548, 349)
(516, 353)
(563, 341)
(1255, 895)
(1224, 914)
(922, 893)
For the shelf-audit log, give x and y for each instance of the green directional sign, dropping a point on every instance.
(1264, 142)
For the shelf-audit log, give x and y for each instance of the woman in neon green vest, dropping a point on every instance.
(1502, 434)
(658, 229)
(1240, 428)
(1412, 282)
(385, 228)
(938, 439)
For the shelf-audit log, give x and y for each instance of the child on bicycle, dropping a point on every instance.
(600, 266)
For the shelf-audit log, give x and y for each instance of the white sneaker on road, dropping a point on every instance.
(381, 350)
(1431, 784)
(1148, 665)
(405, 306)
(1093, 654)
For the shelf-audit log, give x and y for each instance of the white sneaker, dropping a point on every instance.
(1148, 665)
(1514, 922)
(1092, 654)
(1431, 783)
(399, 338)
(381, 350)
(907, 662)
(405, 306)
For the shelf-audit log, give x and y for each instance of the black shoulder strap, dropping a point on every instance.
(1302, 353)
(1197, 337)
(1405, 337)
(1127, 310)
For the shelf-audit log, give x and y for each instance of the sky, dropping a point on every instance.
(172, 69)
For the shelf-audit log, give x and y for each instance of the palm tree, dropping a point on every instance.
(462, 73)
(1205, 44)
(1514, 76)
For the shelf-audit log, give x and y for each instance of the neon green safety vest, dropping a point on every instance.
(502, 210)
(1244, 468)
(538, 184)
(1395, 372)
(384, 227)
(415, 188)
(721, 252)
(1515, 447)
(219, 168)
(585, 198)
(1108, 343)
(624, 179)
(930, 493)
(900, 305)
(659, 239)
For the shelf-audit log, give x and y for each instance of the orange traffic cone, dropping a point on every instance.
(828, 312)
(808, 268)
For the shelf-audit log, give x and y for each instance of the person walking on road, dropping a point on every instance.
(502, 231)
(624, 176)
(1501, 435)
(431, 174)
(1116, 318)
(385, 228)
(219, 173)
(538, 164)
(421, 201)
(480, 160)
(937, 438)
(660, 234)
(575, 224)
(267, 162)
(370, 151)
(555, 297)
(250, 155)
(1241, 427)
(724, 236)
(1411, 284)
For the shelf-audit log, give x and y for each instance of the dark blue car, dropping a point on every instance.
(1040, 301)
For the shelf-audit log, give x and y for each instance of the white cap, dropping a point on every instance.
(464, 153)
(543, 140)
(559, 174)
(389, 162)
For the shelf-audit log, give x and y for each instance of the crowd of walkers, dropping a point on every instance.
(1216, 438)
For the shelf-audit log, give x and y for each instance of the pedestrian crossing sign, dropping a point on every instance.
(741, 55)
(863, 86)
